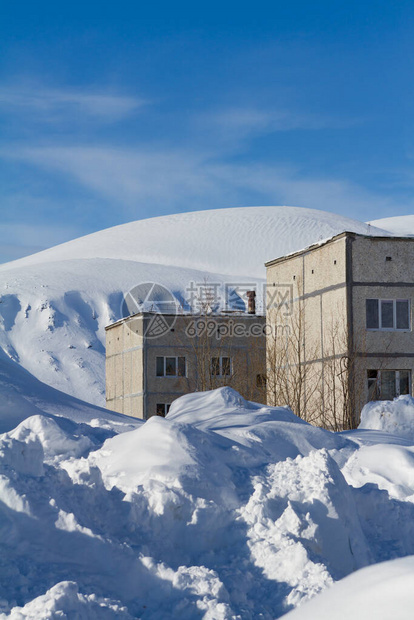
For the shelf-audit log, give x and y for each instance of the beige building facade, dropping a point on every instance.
(152, 359)
(347, 329)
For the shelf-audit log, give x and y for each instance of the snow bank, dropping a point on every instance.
(65, 601)
(396, 416)
(382, 592)
(22, 396)
(224, 509)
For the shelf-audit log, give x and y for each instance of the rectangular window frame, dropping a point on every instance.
(374, 383)
(161, 409)
(217, 363)
(180, 362)
(394, 327)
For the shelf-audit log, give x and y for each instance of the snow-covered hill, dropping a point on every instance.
(232, 241)
(399, 225)
(55, 304)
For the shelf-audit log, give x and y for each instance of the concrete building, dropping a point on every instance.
(347, 328)
(152, 359)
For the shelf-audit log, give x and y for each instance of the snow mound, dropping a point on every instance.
(396, 416)
(382, 592)
(175, 519)
(208, 240)
(398, 225)
(65, 601)
(22, 396)
(225, 509)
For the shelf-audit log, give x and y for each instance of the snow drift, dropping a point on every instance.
(382, 592)
(225, 509)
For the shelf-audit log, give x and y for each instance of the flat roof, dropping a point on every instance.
(226, 314)
(323, 242)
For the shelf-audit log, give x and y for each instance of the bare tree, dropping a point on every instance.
(292, 379)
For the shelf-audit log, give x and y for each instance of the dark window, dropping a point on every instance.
(387, 314)
(403, 315)
(261, 381)
(388, 387)
(404, 380)
(388, 384)
(372, 313)
(171, 367)
(215, 366)
(373, 384)
(162, 409)
(160, 366)
(221, 366)
(225, 366)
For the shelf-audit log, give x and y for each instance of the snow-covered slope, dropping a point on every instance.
(22, 396)
(54, 305)
(399, 225)
(233, 241)
(53, 316)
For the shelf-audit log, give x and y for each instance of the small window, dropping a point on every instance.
(160, 366)
(403, 314)
(373, 384)
(388, 314)
(162, 409)
(261, 381)
(372, 313)
(388, 384)
(221, 366)
(170, 367)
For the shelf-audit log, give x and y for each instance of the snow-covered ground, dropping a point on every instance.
(225, 509)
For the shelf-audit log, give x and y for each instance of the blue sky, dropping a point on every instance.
(111, 112)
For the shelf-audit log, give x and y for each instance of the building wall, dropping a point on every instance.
(124, 367)
(333, 282)
(318, 322)
(133, 387)
(247, 354)
(375, 277)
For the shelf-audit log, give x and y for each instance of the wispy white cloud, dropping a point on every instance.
(54, 104)
(176, 179)
(238, 124)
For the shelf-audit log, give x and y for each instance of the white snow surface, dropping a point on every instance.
(234, 241)
(398, 225)
(382, 592)
(225, 509)
(392, 416)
